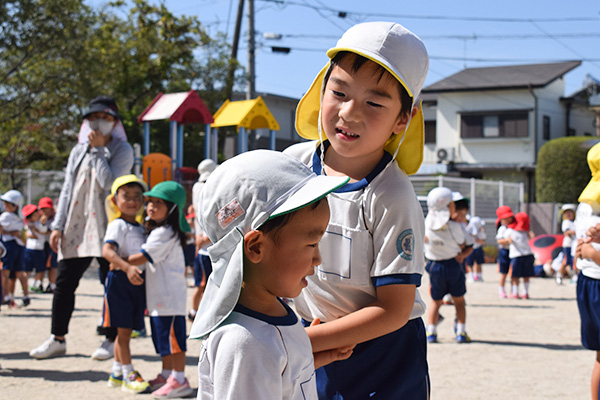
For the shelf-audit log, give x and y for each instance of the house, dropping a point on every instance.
(491, 122)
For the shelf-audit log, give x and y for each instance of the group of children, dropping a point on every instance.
(29, 255)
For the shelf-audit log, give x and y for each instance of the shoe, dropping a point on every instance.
(49, 289)
(6, 301)
(574, 279)
(559, 280)
(105, 351)
(141, 333)
(157, 383)
(502, 295)
(173, 389)
(440, 319)
(26, 301)
(114, 380)
(39, 289)
(431, 337)
(525, 296)
(513, 296)
(50, 348)
(12, 304)
(135, 384)
(463, 338)
(191, 317)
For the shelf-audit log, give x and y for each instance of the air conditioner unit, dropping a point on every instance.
(445, 154)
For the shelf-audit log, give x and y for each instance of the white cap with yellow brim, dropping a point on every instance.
(404, 56)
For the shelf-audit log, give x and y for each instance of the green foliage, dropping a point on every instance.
(59, 54)
(562, 171)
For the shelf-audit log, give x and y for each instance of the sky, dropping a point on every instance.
(457, 34)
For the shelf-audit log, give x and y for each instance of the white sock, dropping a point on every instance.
(117, 368)
(127, 369)
(431, 328)
(53, 286)
(166, 373)
(37, 283)
(179, 375)
(501, 290)
(515, 289)
(460, 328)
(192, 312)
(526, 287)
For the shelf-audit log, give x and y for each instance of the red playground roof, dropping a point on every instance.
(183, 107)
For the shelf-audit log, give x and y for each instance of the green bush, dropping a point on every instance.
(562, 170)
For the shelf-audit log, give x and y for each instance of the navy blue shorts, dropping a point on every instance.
(124, 303)
(568, 256)
(588, 302)
(202, 269)
(476, 256)
(503, 261)
(446, 276)
(13, 260)
(50, 253)
(35, 260)
(393, 366)
(189, 252)
(168, 334)
(522, 267)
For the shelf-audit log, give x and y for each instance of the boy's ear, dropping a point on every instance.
(113, 200)
(254, 246)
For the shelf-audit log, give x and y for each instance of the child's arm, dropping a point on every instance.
(325, 357)
(586, 250)
(594, 233)
(137, 259)
(466, 250)
(388, 313)
(133, 272)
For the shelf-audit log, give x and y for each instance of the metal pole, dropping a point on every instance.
(179, 145)
(173, 142)
(234, 49)
(272, 138)
(251, 47)
(207, 139)
(146, 138)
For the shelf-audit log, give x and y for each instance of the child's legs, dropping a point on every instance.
(434, 312)
(174, 362)
(169, 338)
(461, 312)
(596, 378)
(52, 272)
(122, 351)
(5, 282)
(22, 277)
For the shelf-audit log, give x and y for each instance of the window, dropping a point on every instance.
(546, 123)
(494, 125)
(430, 132)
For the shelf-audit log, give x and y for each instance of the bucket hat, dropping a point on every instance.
(112, 211)
(404, 56)
(591, 193)
(503, 212)
(240, 195)
(45, 202)
(175, 193)
(205, 168)
(29, 209)
(103, 104)
(13, 196)
(521, 222)
(565, 207)
(438, 213)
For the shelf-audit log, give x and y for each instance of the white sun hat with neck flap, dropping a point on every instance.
(404, 56)
(239, 196)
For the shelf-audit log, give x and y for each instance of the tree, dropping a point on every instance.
(562, 171)
(59, 54)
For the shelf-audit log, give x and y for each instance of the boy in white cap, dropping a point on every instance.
(11, 227)
(265, 214)
(364, 117)
(568, 230)
(445, 248)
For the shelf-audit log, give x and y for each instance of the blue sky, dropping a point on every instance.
(457, 34)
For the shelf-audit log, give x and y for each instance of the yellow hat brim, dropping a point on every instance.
(410, 154)
(591, 193)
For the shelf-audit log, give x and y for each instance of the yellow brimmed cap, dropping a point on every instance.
(404, 56)
(591, 193)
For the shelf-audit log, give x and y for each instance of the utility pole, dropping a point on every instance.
(234, 49)
(250, 92)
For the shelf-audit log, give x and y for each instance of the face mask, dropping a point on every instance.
(102, 125)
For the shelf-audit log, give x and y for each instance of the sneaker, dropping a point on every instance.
(39, 289)
(26, 301)
(6, 301)
(157, 383)
(12, 304)
(431, 337)
(574, 279)
(525, 296)
(502, 295)
(50, 348)
(513, 296)
(141, 333)
(105, 351)
(135, 384)
(559, 280)
(173, 389)
(114, 380)
(463, 338)
(49, 289)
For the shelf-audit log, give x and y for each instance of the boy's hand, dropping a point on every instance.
(43, 219)
(328, 356)
(134, 275)
(594, 233)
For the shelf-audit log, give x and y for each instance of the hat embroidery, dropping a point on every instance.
(229, 213)
(406, 244)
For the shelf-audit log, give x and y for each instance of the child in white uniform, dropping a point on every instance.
(364, 117)
(520, 254)
(36, 234)
(568, 230)
(13, 267)
(505, 218)
(476, 229)
(265, 213)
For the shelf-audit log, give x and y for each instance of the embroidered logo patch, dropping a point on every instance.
(229, 213)
(406, 244)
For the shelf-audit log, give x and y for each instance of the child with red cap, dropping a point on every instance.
(521, 256)
(505, 218)
(36, 234)
(46, 207)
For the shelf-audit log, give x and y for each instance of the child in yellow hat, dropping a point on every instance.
(363, 115)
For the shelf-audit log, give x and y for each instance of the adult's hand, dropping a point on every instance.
(96, 139)
(55, 237)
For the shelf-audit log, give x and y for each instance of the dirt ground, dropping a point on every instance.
(521, 349)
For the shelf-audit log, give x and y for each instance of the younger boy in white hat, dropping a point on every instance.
(446, 246)
(265, 214)
(364, 117)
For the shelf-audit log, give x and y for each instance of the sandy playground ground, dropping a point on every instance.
(521, 349)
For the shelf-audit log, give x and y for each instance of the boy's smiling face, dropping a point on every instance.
(129, 200)
(360, 110)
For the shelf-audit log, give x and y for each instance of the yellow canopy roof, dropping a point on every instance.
(250, 114)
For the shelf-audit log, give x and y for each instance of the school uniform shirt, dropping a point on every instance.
(445, 243)
(501, 234)
(166, 286)
(478, 234)
(41, 235)
(567, 225)
(253, 356)
(374, 238)
(585, 218)
(11, 222)
(127, 237)
(520, 244)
